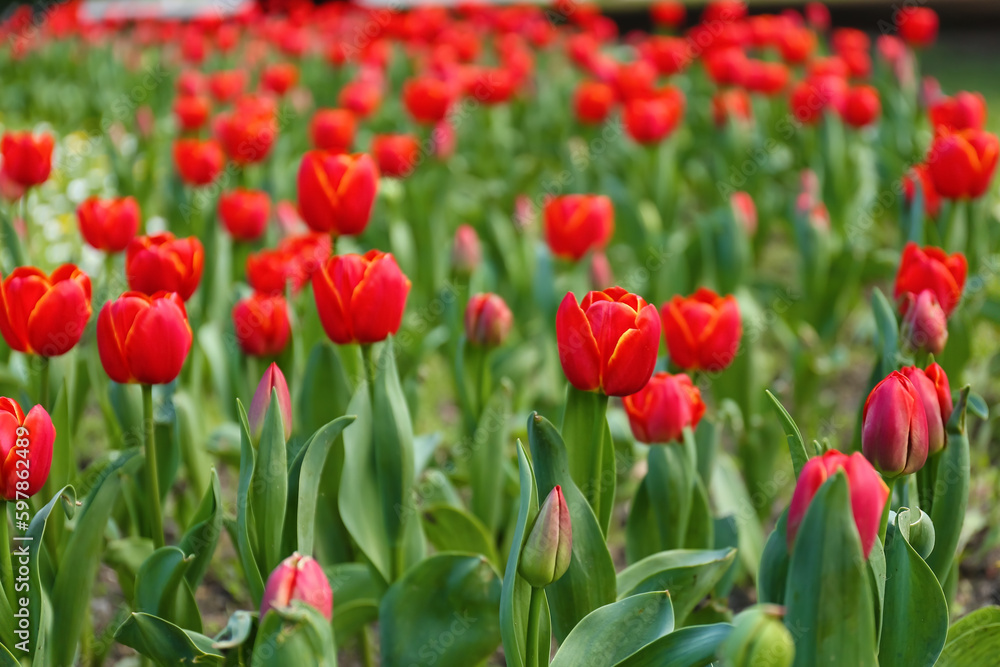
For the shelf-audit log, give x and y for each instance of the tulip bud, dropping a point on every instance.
(703, 330)
(487, 320)
(301, 578)
(660, 411)
(759, 639)
(925, 326)
(549, 547)
(466, 251)
(943, 390)
(600, 271)
(25, 450)
(273, 380)
(745, 211)
(894, 427)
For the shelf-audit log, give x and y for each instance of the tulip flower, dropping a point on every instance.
(928, 394)
(198, 162)
(293, 263)
(487, 320)
(244, 213)
(300, 578)
(27, 159)
(726, 66)
(337, 191)
(548, 549)
(397, 155)
(868, 494)
(765, 77)
(593, 102)
(247, 133)
(272, 380)
(332, 130)
(142, 338)
(360, 97)
(649, 120)
(635, 80)
(918, 26)
(44, 314)
(576, 224)
(466, 250)
(932, 200)
(817, 16)
(25, 452)
(191, 111)
(227, 85)
(669, 55)
(702, 331)
(279, 78)
(811, 97)
(659, 412)
(668, 13)
(190, 82)
(108, 224)
(862, 106)
(607, 342)
(745, 211)
(964, 111)
(931, 268)
(962, 163)
(942, 388)
(427, 99)
(731, 104)
(796, 44)
(261, 324)
(925, 325)
(490, 85)
(164, 263)
(360, 298)
(894, 435)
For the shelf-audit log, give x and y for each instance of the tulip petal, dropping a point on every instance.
(634, 357)
(59, 318)
(578, 352)
(379, 300)
(158, 343)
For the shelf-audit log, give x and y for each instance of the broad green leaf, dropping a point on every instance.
(614, 632)
(687, 575)
(451, 595)
(772, 576)
(486, 457)
(308, 466)
(202, 535)
(731, 497)
(688, 647)
(591, 460)
(63, 457)
(245, 540)
(796, 445)
(888, 331)
(357, 591)
(6, 659)
(642, 538)
(452, 529)
(296, 635)
(974, 640)
(951, 491)
(326, 387)
(270, 484)
(670, 485)
(166, 644)
(161, 589)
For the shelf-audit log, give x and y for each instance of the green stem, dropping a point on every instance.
(43, 383)
(533, 638)
(367, 657)
(6, 569)
(884, 525)
(152, 474)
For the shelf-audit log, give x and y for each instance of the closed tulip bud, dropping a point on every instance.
(862, 106)
(928, 394)
(261, 324)
(608, 342)
(360, 298)
(300, 578)
(244, 213)
(962, 163)
(108, 224)
(925, 326)
(917, 25)
(593, 102)
(27, 159)
(931, 268)
(487, 320)
(466, 251)
(247, 133)
(337, 191)
(548, 548)
(191, 111)
(745, 211)
(142, 338)
(964, 111)
(25, 450)
(273, 380)
(659, 412)
(575, 224)
(163, 263)
(601, 276)
(44, 314)
(702, 331)
(397, 155)
(279, 78)
(198, 162)
(333, 130)
(427, 99)
(894, 433)
(759, 639)
(868, 493)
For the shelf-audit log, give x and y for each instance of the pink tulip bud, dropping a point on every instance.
(487, 320)
(600, 271)
(273, 379)
(466, 252)
(925, 325)
(549, 547)
(745, 211)
(928, 394)
(298, 577)
(894, 427)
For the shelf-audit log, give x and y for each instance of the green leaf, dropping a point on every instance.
(670, 485)
(888, 331)
(326, 386)
(63, 457)
(6, 659)
(296, 635)
(487, 456)
(516, 593)
(592, 458)
(796, 445)
(641, 537)
(270, 484)
(450, 528)
(165, 643)
(357, 591)
(616, 631)
(951, 491)
(974, 640)
(687, 647)
(589, 582)
(447, 606)
(687, 575)
(238, 630)
(731, 497)
(161, 590)
(828, 601)
(773, 572)
(202, 535)
(309, 464)
(245, 540)
(11, 241)
(876, 580)
(915, 615)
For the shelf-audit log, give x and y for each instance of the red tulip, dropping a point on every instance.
(298, 578)
(487, 320)
(25, 450)
(191, 111)
(27, 159)
(964, 111)
(668, 13)
(198, 162)
(702, 331)
(397, 155)
(931, 268)
(765, 77)
(190, 83)
(108, 224)
(576, 224)
(942, 388)
(868, 494)
(650, 120)
(593, 102)
(466, 251)
(332, 130)
(635, 80)
(917, 25)
(247, 133)
(279, 78)
(337, 191)
(894, 427)
(932, 200)
(731, 103)
(142, 338)
(272, 380)
(745, 211)
(227, 85)
(928, 395)
(44, 314)
(360, 298)
(490, 85)
(962, 163)
(608, 342)
(726, 66)
(659, 412)
(862, 106)
(669, 55)
(925, 326)
(293, 263)
(796, 44)
(244, 213)
(809, 98)
(724, 11)
(360, 97)
(428, 99)
(818, 16)
(261, 324)
(163, 263)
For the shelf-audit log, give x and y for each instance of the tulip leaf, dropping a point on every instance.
(688, 647)
(62, 453)
(796, 445)
(326, 386)
(876, 579)
(589, 582)
(73, 584)
(515, 596)
(270, 484)
(357, 591)
(161, 589)
(296, 635)
(701, 525)
(447, 605)
(592, 458)
(610, 634)
(951, 491)
(166, 644)
(772, 575)
(305, 478)
(453, 529)
(913, 599)
(671, 476)
(238, 630)
(6, 659)
(888, 332)
(642, 537)
(687, 575)
(486, 457)
(731, 497)
(202, 535)
(11, 240)
(828, 597)
(245, 539)
(974, 640)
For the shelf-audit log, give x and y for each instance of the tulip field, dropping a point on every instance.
(483, 335)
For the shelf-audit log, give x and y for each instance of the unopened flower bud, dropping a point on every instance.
(925, 326)
(549, 548)
(894, 427)
(298, 577)
(487, 320)
(466, 252)
(273, 379)
(759, 639)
